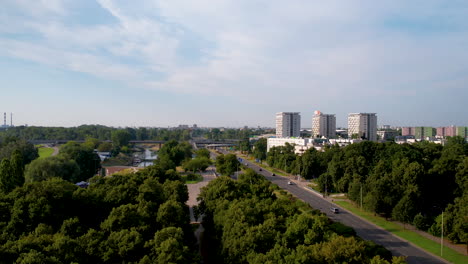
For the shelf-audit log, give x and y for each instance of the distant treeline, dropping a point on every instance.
(409, 183)
(105, 133)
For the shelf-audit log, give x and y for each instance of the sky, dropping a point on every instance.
(232, 63)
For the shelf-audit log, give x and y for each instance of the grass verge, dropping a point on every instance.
(413, 237)
(45, 152)
(265, 166)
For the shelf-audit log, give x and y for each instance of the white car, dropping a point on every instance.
(289, 182)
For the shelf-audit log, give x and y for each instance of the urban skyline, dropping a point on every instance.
(118, 63)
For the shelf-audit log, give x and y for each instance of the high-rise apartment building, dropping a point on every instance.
(462, 131)
(364, 125)
(407, 131)
(323, 125)
(449, 131)
(288, 124)
(424, 132)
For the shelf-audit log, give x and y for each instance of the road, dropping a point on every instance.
(364, 229)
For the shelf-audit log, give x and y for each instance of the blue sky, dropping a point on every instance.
(232, 63)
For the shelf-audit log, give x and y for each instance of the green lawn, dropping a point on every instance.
(192, 181)
(45, 152)
(413, 237)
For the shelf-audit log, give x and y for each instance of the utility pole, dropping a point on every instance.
(361, 196)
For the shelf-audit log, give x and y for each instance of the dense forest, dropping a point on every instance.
(127, 218)
(409, 183)
(252, 221)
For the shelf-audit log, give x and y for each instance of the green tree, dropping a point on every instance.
(88, 161)
(6, 176)
(172, 213)
(105, 147)
(260, 149)
(203, 152)
(50, 167)
(120, 138)
(197, 164)
(17, 167)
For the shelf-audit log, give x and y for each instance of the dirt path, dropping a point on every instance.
(56, 151)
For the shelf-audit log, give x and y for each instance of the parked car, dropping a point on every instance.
(290, 183)
(273, 174)
(259, 169)
(334, 210)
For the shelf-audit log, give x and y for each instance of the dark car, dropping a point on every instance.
(273, 174)
(259, 169)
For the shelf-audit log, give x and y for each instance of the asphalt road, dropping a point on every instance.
(364, 229)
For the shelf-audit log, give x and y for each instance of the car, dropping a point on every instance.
(273, 174)
(289, 183)
(259, 169)
(334, 210)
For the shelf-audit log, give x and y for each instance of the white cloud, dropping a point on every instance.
(303, 48)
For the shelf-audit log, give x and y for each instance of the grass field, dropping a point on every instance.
(413, 237)
(45, 152)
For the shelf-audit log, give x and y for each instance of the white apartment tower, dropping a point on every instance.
(288, 124)
(323, 125)
(364, 125)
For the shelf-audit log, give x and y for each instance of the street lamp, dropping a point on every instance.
(442, 232)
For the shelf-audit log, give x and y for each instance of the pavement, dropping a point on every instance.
(194, 190)
(363, 228)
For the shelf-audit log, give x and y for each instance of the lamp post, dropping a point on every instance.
(442, 232)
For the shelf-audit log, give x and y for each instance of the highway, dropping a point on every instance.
(364, 229)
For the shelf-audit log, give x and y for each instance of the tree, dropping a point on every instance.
(203, 152)
(260, 149)
(17, 167)
(166, 247)
(231, 164)
(244, 145)
(105, 147)
(406, 208)
(172, 213)
(6, 176)
(176, 152)
(120, 137)
(88, 161)
(197, 164)
(50, 167)
(27, 150)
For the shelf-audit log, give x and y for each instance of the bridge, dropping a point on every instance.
(64, 141)
(197, 143)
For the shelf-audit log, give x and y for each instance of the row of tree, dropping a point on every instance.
(103, 133)
(93, 131)
(126, 218)
(410, 183)
(247, 222)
